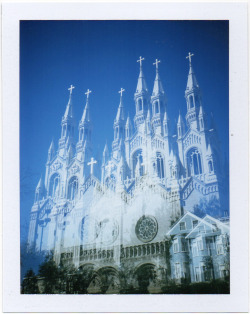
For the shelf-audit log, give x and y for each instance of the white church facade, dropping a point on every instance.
(148, 179)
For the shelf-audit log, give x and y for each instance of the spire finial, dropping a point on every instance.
(156, 64)
(190, 55)
(121, 91)
(87, 93)
(71, 89)
(140, 60)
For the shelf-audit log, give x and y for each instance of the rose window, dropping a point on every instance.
(146, 228)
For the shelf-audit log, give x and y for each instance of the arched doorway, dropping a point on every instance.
(144, 274)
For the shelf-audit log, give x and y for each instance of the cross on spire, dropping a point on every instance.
(91, 164)
(88, 92)
(121, 91)
(140, 60)
(190, 55)
(71, 88)
(156, 63)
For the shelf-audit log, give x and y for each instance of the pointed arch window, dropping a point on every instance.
(210, 166)
(110, 182)
(73, 188)
(64, 130)
(156, 106)
(159, 165)
(194, 162)
(140, 104)
(191, 101)
(138, 163)
(54, 185)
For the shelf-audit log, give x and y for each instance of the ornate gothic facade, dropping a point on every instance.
(150, 177)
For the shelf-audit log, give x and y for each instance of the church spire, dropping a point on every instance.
(158, 100)
(119, 127)
(193, 96)
(141, 98)
(51, 151)
(141, 84)
(120, 111)
(39, 190)
(69, 109)
(67, 124)
(192, 81)
(85, 127)
(158, 89)
(86, 114)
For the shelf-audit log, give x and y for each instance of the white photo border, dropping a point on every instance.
(236, 13)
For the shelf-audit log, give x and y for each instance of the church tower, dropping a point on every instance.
(68, 125)
(141, 98)
(119, 129)
(84, 147)
(193, 98)
(158, 100)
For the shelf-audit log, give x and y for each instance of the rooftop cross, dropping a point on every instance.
(91, 164)
(88, 92)
(121, 91)
(189, 57)
(140, 60)
(156, 63)
(71, 88)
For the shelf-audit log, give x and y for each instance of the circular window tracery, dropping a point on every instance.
(146, 228)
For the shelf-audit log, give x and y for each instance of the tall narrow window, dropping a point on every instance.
(139, 104)
(54, 185)
(138, 163)
(194, 162)
(160, 165)
(73, 188)
(210, 166)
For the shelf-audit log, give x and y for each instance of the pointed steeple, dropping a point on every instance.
(69, 108)
(180, 126)
(40, 189)
(141, 98)
(70, 153)
(106, 150)
(165, 125)
(128, 128)
(85, 126)
(192, 82)
(158, 89)
(67, 124)
(51, 151)
(158, 100)
(141, 84)
(120, 111)
(40, 184)
(86, 115)
(193, 97)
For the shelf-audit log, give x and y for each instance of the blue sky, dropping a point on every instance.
(101, 56)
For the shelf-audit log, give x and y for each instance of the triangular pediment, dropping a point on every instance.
(57, 164)
(74, 167)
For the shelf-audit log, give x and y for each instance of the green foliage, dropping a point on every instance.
(29, 285)
(50, 274)
(217, 286)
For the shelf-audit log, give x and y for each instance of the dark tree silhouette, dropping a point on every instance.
(50, 274)
(30, 285)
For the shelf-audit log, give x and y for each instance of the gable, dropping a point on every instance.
(202, 228)
(188, 219)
